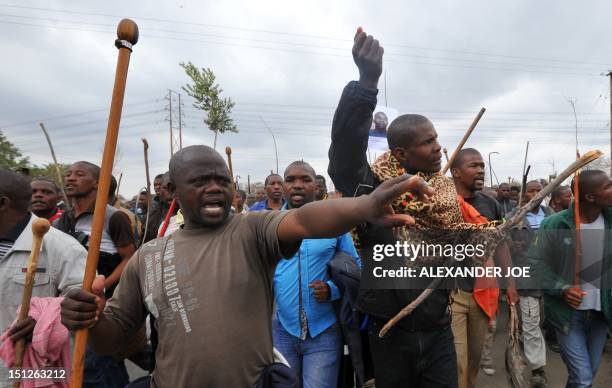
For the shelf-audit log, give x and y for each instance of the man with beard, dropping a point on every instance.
(470, 322)
(306, 332)
(45, 197)
(274, 193)
(419, 350)
(503, 197)
(116, 248)
(560, 198)
(522, 235)
(209, 285)
(322, 187)
(578, 301)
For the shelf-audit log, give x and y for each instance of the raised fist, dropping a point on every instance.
(367, 53)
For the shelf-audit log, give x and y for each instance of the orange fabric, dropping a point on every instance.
(486, 291)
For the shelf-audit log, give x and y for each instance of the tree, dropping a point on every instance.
(10, 156)
(208, 98)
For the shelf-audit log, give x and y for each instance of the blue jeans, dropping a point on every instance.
(316, 361)
(104, 371)
(582, 347)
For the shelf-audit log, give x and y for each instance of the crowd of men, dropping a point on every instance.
(203, 284)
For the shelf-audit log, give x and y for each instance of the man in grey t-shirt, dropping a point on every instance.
(209, 284)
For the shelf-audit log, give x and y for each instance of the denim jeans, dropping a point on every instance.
(582, 347)
(104, 371)
(316, 361)
(413, 359)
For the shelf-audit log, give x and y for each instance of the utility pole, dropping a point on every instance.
(171, 137)
(180, 123)
(610, 123)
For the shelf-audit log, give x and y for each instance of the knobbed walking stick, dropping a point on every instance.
(228, 152)
(464, 140)
(127, 36)
(40, 226)
(578, 164)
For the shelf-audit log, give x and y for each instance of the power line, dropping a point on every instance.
(183, 22)
(314, 52)
(293, 44)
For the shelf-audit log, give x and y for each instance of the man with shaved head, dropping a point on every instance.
(209, 285)
(420, 350)
(578, 301)
(470, 322)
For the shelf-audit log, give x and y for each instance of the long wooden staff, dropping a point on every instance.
(127, 36)
(578, 164)
(146, 160)
(40, 226)
(445, 154)
(464, 140)
(60, 176)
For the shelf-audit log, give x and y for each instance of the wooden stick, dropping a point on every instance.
(118, 186)
(583, 161)
(127, 36)
(40, 226)
(464, 140)
(228, 152)
(149, 203)
(520, 199)
(60, 176)
(445, 154)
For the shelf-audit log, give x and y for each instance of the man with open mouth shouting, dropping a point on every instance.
(205, 282)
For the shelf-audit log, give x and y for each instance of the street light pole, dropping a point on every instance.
(273, 138)
(491, 168)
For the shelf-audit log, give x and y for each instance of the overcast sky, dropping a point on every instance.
(287, 62)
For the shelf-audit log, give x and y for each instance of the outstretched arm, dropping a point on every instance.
(331, 218)
(348, 163)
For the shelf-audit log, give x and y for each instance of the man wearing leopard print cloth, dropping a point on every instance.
(419, 351)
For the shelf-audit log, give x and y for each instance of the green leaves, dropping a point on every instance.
(10, 156)
(207, 96)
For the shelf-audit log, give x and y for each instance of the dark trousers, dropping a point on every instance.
(413, 359)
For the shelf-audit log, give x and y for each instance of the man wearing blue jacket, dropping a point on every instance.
(305, 329)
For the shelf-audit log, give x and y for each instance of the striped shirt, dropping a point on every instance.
(5, 246)
(7, 241)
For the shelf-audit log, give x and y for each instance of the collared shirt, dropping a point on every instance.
(314, 255)
(61, 265)
(535, 219)
(263, 205)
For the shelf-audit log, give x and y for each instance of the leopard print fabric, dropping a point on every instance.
(438, 221)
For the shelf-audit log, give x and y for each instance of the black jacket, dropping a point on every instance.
(351, 174)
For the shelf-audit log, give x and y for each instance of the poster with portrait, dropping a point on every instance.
(377, 141)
